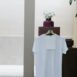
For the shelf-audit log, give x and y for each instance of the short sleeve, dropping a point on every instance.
(35, 46)
(64, 47)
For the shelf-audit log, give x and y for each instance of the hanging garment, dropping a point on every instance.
(48, 51)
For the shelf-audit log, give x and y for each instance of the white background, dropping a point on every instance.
(64, 15)
(11, 32)
(11, 17)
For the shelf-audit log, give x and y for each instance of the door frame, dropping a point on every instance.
(29, 37)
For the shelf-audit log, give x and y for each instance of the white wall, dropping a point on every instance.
(11, 17)
(11, 32)
(75, 29)
(64, 15)
(11, 50)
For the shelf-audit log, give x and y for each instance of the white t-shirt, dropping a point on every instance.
(48, 51)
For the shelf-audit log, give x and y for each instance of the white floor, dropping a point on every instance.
(11, 76)
(11, 70)
(11, 56)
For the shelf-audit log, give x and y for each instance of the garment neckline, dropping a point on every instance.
(49, 35)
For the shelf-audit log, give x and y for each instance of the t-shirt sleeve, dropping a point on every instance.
(64, 47)
(35, 46)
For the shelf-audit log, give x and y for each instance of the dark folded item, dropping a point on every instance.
(48, 24)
